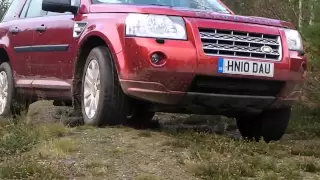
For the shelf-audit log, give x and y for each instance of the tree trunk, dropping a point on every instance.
(300, 15)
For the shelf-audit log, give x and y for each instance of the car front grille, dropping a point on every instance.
(240, 44)
(236, 86)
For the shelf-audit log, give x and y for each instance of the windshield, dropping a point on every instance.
(211, 5)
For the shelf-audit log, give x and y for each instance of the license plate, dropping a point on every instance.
(243, 67)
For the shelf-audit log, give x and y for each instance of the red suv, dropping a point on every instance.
(120, 61)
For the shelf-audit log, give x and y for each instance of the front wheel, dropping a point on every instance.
(270, 125)
(103, 101)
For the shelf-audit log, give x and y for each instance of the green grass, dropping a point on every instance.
(145, 134)
(57, 148)
(217, 157)
(17, 139)
(146, 177)
(305, 123)
(22, 137)
(17, 144)
(28, 167)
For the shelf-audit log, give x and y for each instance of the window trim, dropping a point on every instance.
(27, 6)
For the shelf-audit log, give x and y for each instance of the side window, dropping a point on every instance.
(35, 9)
(12, 11)
(75, 2)
(25, 9)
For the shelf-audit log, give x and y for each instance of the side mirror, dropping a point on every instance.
(59, 6)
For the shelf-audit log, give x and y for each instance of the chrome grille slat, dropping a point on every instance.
(240, 44)
(236, 38)
(236, 48)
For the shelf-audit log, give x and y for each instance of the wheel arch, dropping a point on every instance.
(90, 41)
(4, 56)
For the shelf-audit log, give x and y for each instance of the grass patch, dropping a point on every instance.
(85, 127)
(177, 144)
(58, 148)
(223, 169)
(97, 168)
(17, 139)
(27, 167)
(93, 164)
(118, 152)
(22, 137)
(145, 134)
(18, 144)
(310, 166)
(305, 148)
(305, 123)
(53, 130)
(146, 177)
(218, 157)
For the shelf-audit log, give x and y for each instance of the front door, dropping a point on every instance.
(51, 57)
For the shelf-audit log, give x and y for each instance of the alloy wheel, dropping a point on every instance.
(3, 91)
(91, 93)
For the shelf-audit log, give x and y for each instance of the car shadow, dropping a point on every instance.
(179, 123)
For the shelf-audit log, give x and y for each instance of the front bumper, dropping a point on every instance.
(172, 82)
(207, 103)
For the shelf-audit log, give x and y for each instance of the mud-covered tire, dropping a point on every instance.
(112, 104)
(270, 125)
(14, 105)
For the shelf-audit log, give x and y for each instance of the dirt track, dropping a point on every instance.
(124, 153)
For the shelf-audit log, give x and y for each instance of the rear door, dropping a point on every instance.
(20, 36)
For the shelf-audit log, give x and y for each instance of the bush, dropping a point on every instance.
(311, 35)
(306, 113)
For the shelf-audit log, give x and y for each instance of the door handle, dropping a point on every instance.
(41, 28)
(14, 30)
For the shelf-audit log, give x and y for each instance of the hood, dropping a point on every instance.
(186, 12)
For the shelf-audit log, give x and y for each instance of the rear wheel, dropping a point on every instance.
(11, 105)
(103, 101)
(270, 125)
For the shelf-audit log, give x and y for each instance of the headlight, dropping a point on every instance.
(156, 26)
(294, 40)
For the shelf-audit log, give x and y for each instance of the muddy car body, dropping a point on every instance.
(122, 61)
